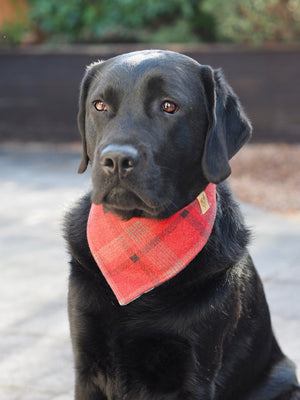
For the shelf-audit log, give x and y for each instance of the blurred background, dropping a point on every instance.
(132, 21)
(45, 46)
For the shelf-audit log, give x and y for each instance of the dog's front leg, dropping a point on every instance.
(89, 343)
(88, 391)
(90, 380)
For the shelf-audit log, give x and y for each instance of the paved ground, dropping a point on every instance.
(37, 184)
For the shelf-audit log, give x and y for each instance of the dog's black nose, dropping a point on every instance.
(119, 159)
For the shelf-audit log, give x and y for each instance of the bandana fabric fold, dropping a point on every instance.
(138, 255)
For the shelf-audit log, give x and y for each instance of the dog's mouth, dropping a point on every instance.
(128, 203)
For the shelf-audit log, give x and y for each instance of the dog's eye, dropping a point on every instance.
(169, 107)
(99, 105)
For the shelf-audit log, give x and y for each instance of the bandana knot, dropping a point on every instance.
(138, 255)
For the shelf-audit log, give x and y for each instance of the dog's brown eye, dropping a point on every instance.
(169, 107)
(100, 106)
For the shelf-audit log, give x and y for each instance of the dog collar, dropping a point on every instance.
(137, 255)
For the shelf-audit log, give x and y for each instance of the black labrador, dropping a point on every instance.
(157, 128)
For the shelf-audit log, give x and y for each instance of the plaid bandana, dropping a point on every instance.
(138, 255)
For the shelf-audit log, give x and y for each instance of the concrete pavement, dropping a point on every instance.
(37, 185)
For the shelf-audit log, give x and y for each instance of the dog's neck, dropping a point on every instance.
(138, 255)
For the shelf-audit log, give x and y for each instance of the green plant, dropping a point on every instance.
(132, 20)
(13, 33)
(255, 21)
(237, 21)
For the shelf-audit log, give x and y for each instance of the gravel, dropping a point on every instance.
(268, 176)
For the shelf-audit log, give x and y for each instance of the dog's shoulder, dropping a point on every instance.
(75, 223)
(76, 218)
(230, 235)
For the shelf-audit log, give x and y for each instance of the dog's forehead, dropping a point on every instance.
(143, 61)
(154, 57)
(128, 69)
(142, 57)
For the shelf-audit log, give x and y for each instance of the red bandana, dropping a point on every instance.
(137, 255)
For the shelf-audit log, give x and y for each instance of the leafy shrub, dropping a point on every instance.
(121, 20)
(237, 21)
(255, 21)
(13, 33)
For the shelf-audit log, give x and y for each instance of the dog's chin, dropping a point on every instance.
(125, 204)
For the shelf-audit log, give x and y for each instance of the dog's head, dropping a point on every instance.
(156, 127)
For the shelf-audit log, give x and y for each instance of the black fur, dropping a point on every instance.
(206, 333)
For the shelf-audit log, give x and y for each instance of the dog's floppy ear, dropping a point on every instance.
(84, 88)
(228, 129)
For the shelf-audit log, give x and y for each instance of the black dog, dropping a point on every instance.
(157, 128)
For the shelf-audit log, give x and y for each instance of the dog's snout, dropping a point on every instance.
(119, 159)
